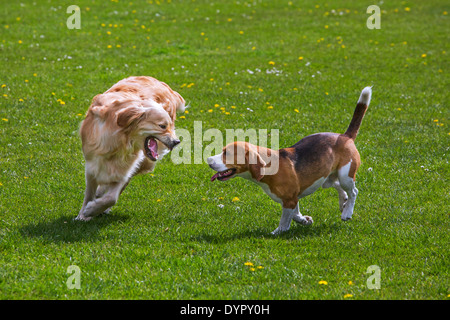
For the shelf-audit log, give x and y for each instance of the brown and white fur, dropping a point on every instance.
(126, 130)
(319, 160)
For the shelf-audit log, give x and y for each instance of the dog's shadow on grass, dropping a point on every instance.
(67, 229)
(295, 232)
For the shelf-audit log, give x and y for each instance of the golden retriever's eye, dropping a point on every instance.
(162, 126)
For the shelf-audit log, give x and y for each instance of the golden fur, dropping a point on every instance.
(115, 131)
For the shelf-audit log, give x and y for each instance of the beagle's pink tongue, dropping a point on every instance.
(214, 177)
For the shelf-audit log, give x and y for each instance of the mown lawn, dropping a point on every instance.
(293, 66)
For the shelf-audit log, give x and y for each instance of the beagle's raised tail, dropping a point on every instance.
(358, 115)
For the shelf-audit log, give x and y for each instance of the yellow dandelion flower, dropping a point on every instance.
(182, 117)
(216, 105)
(424, 55)
(4, 119)
(348, 295)
(241, 32)
(229, 19)
(212, 79)
(20, 100)
(350, 282)
(445, 13)
(62, 102)
(323, 282)
(20, 41)
(235, 199)
(118, 46)
(5, 95)
(202, 34)
(260, 90)
(259, 267)
(248, 263)
(296, 110)
(210, 110)
(109, 46)
(252, 269)
(233, 107)
(407, 9)
(3, 85)
(1, 184)
(227, 113)
(326, 26)
(271, 63)
(26, 80)
(270, 107)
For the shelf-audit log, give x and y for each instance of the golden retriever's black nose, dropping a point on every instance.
(174, 143)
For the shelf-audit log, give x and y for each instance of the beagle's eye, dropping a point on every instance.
(163, 126)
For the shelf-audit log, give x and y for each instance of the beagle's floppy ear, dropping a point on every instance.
(129, 117)
(255, 164)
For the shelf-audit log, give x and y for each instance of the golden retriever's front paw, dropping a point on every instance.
(81, 217)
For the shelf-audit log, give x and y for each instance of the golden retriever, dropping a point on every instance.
(126, 130)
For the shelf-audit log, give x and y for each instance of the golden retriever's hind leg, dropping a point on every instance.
(99, 205)
(101, 190)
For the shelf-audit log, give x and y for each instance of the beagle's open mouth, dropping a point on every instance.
(224, 175)
(151, 148)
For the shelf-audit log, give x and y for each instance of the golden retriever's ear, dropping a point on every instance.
(129, 117)
(255, 164)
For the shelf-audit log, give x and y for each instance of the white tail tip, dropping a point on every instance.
(365, 96)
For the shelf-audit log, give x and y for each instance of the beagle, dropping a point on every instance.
(319, 160)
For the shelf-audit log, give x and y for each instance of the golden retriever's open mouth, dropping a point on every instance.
(224, 175)
(151, 148)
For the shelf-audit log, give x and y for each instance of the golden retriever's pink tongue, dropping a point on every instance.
(214, 177)
(153, 147)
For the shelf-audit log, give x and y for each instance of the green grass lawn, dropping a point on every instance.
(300, 67)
